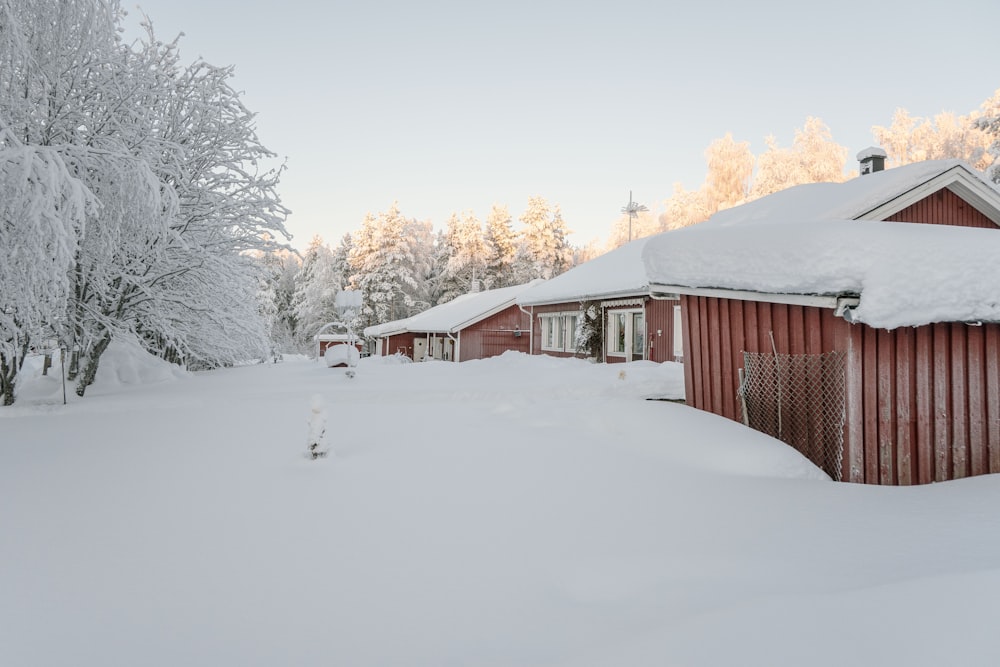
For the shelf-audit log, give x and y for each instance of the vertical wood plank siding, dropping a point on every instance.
(923, 403)
(944, 207)
(495, 335)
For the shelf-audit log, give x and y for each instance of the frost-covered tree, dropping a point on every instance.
(170, 156)
(383, 262)
(730, 168)
(545, 247)
(909, 139)
(279, 269)
(501, 247)
(813, 158)
(42, 207)
(316, 288)
(466, 269)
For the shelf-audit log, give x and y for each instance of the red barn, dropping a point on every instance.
(820, 316)
(633, 326)
(472, 326)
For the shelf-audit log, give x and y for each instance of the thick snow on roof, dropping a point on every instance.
(843, 201)
(905, 273)
(455, 314)
(616, 273)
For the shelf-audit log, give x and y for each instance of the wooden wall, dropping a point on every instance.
(496, 334)
(925, 406)
(944, 207)
(923, 403)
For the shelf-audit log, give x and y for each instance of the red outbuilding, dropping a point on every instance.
(820, 315)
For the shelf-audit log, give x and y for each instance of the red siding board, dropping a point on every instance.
(942, 434)
(959, 402)
(991, 366)
(924, 352)
(943, 207)
(978, 463)
(886, 406)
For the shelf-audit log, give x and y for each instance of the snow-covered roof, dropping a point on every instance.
(613, 274)
(873, 196)
(454, 315)
(905, 274)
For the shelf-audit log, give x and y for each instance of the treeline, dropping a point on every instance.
(131, 189)
(402, 266)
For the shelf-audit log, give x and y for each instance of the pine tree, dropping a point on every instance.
(546, 250)
(383, 265)
(501, 248)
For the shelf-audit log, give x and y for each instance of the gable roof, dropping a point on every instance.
(614, 274)
(873, 196)
(790, 247)
(455, 315)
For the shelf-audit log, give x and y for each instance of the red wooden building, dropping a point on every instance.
(872, 347)
(472, 326)
(633, 325)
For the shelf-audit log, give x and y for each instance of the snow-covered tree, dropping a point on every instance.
(501, 247)
(989, 123)
(813, 158)
(730, 168)
(546, 249)
(383, 262)
(170, 156)
(316, 288)
(42, 207)
(909, 139)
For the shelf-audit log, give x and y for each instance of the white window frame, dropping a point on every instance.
(678, 335)
(559, 331)
(615, 333)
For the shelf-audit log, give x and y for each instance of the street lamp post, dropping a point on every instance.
(632, 210)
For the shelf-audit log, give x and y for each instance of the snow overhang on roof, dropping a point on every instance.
(902, 274)
(615, 274)
(455, 315)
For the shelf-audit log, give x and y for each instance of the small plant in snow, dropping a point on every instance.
(317, 428)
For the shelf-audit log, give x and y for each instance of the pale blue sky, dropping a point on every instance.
(449, 106)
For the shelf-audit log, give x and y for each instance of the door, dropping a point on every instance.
(419, 349)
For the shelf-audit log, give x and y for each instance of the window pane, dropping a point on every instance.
(638, 334)
(620, 333)
(571, 324)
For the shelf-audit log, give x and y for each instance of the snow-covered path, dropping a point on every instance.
(514, 511)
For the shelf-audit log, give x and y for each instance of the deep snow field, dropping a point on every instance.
(516, 511)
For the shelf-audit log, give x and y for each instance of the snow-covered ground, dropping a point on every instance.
(514, 512)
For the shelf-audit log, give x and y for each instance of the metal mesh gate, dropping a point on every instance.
(798, 399)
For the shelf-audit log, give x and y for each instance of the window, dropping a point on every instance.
(627, 334)
(559, 331)
(678, 335)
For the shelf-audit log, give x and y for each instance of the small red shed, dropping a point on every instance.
(633, 325)
(872, 347)
(473, 326)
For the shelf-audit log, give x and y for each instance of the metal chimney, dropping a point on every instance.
(872, 159)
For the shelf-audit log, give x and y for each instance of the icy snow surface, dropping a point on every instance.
(518, 511)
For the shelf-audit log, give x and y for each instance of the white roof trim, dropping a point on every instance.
(983, 198)
(832, 301)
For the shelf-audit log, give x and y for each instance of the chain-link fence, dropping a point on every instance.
(798, 399)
